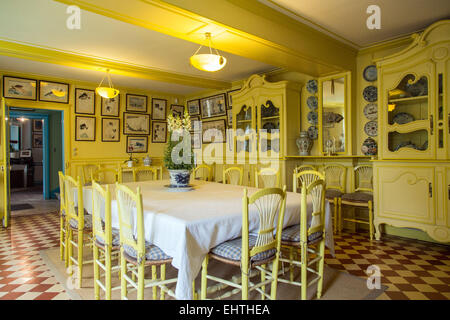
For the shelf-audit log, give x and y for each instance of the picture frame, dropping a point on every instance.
(53, 91)
(136, 103)
(37, 125)
(214, 124)
(196, 140)
(194, 120)
(37, 140)
(110, 129)
(136, 123)
(159, 109)
(230, 118)
(137, 144)
(20, 88)
(193, 107)
(85, 128)
(230, 98)
(177, 110)
(110, 107)
(214, 106)
(159, 132)
(84, 101)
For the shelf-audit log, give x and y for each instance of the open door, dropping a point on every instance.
(4, 164)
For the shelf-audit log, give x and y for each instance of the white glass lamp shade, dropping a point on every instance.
(208, 62)
(107, 92)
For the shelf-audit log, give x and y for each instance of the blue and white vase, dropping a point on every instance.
(179, 178)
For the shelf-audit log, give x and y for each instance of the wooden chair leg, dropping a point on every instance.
(141, 283)
(275, 266)
(320, 265)
(96, 273)
(108, 272)
(370, 219)
(244, 284)
(80, 257)
(203, 286)
(304, 270)
(263, 278)
(163, 277)
(62, 237)
(335, 205)
(291, 266)
(154, 278)
(123, 272)
(340, 216)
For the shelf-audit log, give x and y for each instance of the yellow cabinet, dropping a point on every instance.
(411, 175)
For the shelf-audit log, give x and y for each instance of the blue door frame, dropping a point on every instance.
(46, 147)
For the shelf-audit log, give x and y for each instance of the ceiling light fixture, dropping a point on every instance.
(107, 92)
(208, 61)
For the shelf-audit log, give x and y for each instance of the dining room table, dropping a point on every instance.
(186, 225)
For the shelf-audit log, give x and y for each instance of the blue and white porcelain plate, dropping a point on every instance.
(371, 111)
(312, 117)
(370, 93)
(370, 73)
(402, 118)
(311, 86)
(313, 132)
(371, 128)
(369, 147)
(312, 103)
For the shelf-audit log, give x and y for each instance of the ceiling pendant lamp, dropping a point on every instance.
(107, 92)
(208, 61)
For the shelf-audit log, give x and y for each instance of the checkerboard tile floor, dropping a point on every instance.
(411, 269)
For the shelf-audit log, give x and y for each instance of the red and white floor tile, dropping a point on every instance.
(411, 269)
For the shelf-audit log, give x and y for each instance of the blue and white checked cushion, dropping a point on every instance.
(152, 252)
(232, 249)
(87, 222)
(292, 234)
(115, 238)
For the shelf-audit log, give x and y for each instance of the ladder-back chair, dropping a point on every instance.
(202, 172)
(267, 178)
(233, 175)
(335, 178)
(62, 219)
(105, 175)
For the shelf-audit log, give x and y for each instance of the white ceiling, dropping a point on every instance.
(346, 19)
(43, 23)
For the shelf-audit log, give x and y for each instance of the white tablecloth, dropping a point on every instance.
(186, 225)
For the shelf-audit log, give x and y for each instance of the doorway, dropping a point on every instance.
(36, 156)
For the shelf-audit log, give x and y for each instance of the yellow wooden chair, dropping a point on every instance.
(267, 178)
(335, 178)
(252, 251)
(135, 252)
(105, 240)
(202, 172)
(78, 221)
(145, 174)
(307, 238)
(233, 175)
(105, 175)
(86, 172)
(304, 167)
(125, 175)
(62, 219)
(362, 197)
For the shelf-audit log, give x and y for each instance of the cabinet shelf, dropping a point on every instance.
(270, 118)
(410, 99)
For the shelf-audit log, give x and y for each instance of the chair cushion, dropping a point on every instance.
(152, 252)
(332, 193)
(359, 197)
(87, 222)
(232, 250)
(292, 234)
(115, 238)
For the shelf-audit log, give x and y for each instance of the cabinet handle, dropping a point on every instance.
(430, 190)
(431, 125)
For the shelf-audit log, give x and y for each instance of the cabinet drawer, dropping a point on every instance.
(406, 193)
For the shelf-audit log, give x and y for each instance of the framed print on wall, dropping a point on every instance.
(193, 107)
(177, 110)
(136, 103)
(159, 107)
(110, 129)
(210, 133)
(230, 98)
(214, 106)
(137, 144)
(196, 140)
(159, 132)
(136, 123)
(85, 128)
(53, 91)
(84, 101)
(37, 125)
(19, 88)
(111, 107)
(37, 140)
(196, 123)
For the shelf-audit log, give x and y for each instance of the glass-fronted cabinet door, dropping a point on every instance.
(268, 120)
(244, 125)
(334, 100)
(409, 118)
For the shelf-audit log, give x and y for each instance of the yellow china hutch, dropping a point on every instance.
(412, 172)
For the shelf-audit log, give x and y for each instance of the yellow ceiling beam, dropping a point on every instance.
(70, 59)
(245, 28)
